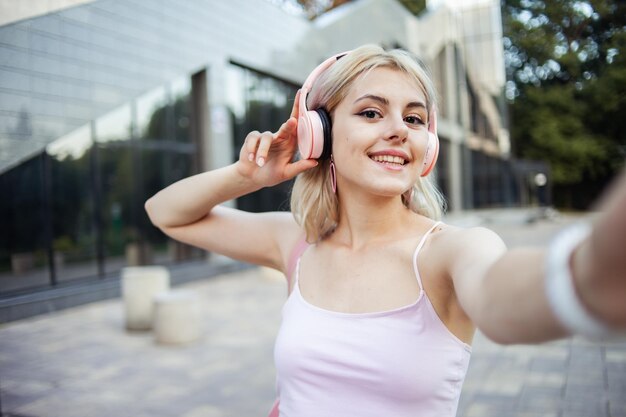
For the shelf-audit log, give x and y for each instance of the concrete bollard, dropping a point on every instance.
(176, 317)
(140, 284)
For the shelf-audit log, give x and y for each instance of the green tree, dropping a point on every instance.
(315, 8)
(414, 6)
(567, 90)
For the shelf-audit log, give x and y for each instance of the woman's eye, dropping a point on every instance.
(414, 120)
(369, 114)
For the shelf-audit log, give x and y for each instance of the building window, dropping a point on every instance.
(72, 207)
(24, 256)
(439, 77)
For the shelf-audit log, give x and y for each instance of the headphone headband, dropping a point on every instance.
(308, 83)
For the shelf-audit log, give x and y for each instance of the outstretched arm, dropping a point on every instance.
(188, 209)
(504, 292)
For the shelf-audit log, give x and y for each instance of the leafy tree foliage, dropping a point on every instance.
(414, 6)
(567, 69)
(314, 8)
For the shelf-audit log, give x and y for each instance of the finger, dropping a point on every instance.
(287, 130)
(251, 143)
(295, 110)
(265, 142)
(291, 170)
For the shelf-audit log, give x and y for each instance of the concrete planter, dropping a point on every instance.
(177, 317)
(140, 284)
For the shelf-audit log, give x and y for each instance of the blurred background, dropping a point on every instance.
(103, 103)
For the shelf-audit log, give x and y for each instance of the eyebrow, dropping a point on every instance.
(385, 102)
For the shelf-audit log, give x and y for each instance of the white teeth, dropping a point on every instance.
(389, 159)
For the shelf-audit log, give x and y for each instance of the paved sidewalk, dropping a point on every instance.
(81, 362)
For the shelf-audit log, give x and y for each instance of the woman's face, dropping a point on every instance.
(380, 133)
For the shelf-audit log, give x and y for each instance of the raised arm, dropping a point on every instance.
(504, 292)
(189, 210)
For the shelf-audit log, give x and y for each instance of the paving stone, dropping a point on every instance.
(617, 408)
(482, 409)
(548, 379)
(540, 400)
(548, 364)
(596, 408)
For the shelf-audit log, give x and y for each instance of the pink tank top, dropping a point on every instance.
(402, 362)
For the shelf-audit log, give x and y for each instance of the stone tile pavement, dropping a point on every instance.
(82, 363)
(569, 378)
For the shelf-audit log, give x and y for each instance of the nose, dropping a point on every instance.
(398, 130)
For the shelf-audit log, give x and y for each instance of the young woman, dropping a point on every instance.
(384, 297)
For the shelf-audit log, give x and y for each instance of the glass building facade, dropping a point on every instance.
(75, 210)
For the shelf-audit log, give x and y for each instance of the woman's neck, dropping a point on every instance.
(368, 220)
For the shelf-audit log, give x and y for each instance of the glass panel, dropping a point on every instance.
(114, 126)
(166, 153)
(236, 95)
(23, 252)
(490, 181)
(155, 171)
(73, 217)
(150, 115)
(181, 92)
(117, 173)
(161, 168)
(166, 120)
(443, 178)
(479, 179)
(440, 82)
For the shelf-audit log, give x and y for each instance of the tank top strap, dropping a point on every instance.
(293, 263)
(417, 251)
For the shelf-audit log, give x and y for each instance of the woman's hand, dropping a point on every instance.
(266, 158)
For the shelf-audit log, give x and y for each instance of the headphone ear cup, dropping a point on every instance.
(432, 152)
(310, 135)
(327, 147)
(305, 139)
(314, 134)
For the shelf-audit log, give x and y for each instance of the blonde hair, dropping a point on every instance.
(313, 203)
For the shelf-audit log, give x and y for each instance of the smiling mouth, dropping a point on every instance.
(388, 159)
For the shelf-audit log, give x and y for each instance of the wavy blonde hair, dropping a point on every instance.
(313, 203)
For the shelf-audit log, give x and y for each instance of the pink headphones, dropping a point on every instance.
(315, 128)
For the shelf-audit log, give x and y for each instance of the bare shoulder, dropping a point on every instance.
(463, 249)
(448, 234)
(287, 231)
(450, 237)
